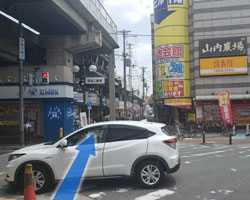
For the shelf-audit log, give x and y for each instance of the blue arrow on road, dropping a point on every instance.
(161, 11)
(70, 184)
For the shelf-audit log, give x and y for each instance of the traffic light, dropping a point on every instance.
(45, 77)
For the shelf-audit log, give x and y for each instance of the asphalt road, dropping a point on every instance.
(206, 173)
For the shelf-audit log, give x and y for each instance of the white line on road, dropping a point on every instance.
(203, 147)
(181, 147)
(1, 173)
(97, 195)
(246, 156)
(244, 147)
(155, 195)
(234, 170)
(217, 148)
(208, 153)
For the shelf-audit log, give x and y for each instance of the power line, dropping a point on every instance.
(191, 35)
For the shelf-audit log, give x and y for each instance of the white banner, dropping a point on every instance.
(83, 119)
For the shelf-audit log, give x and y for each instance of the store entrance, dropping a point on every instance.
(9, 122)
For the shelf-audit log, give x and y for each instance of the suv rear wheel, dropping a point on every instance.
(149, 174)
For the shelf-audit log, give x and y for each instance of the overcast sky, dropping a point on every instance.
(134, 16)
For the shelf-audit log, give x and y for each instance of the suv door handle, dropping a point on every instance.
(98, 148)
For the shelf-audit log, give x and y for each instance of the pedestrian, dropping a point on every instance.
(27, 127)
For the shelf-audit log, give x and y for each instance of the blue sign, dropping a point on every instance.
(21, 48)
(68, 188)
(33, 91)
(161, 10)
(54, 112)
(176, 70)
(69, 112)
(89, 104)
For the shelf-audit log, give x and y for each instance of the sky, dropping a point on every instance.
(134, 16)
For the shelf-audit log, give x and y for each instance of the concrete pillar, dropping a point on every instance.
(59, 57)
(247, 129)
(112, 86)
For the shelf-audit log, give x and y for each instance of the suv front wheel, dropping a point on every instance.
(41, 179)
(149, 174)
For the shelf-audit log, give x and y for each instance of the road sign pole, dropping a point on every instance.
(89, 108)
(21, 58)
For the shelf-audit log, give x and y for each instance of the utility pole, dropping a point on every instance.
(124, 33)
(143, 92)
(130, 66)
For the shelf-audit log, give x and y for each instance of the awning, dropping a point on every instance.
(214, 97)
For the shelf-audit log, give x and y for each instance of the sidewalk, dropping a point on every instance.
(217, 140)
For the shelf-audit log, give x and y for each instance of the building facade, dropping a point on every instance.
(64, 36)
(219, 38)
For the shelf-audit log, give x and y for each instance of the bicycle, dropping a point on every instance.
(180, 131)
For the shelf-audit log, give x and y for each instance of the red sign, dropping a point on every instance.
(241, 113)
(173, 89)
(169, 51)
(225, 107)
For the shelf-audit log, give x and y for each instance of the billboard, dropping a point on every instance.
(223, 66)
(185, 103)
(172, 48)
(223, 47)
(176, 89)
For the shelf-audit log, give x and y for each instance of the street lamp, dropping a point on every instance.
(75, 69)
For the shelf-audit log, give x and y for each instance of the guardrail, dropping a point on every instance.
(98, 11)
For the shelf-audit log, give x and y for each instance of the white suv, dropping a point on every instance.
(123, 148)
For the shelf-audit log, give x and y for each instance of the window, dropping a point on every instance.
(126, 133)
(78, 137)
(165, 130)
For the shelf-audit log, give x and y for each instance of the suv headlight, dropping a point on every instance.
(15, 156)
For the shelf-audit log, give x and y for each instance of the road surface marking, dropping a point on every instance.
(208, 153)
(234, 170)
(225, 191)
(97, 195)
(121, 190)
(156, 195)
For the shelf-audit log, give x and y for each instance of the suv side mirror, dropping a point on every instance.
(63, 143)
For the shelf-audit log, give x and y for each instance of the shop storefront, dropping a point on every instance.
(48, 108)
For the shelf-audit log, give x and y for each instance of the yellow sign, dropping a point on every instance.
(178, 102)
(223, 66)
(172, 47)
(191, 117)
(184, 103)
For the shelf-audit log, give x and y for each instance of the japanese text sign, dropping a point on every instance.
(169, 51)
(223, 66)
(223, 47)
(173, 89)
(225, 107)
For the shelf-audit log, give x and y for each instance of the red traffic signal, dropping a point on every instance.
(45, 75)
(45, 78)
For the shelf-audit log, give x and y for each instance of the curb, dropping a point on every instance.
(5, 147)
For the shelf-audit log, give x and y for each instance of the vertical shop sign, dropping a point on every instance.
(172, 50)
(198, 106)
(225, 107)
